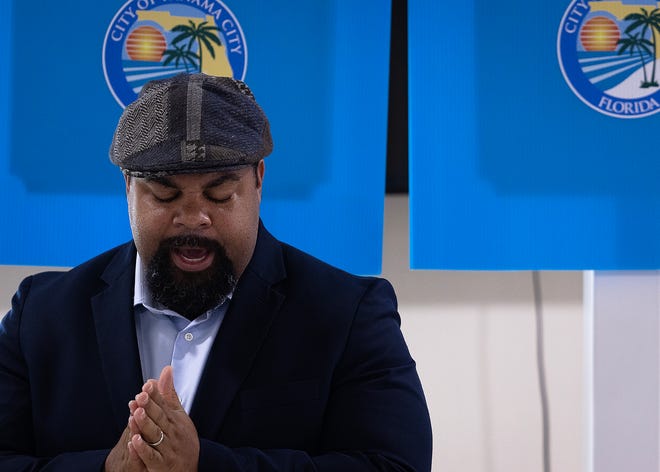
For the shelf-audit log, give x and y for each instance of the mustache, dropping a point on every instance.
(189, 240)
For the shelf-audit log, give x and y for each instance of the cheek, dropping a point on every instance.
(147, 226)
(239, 232)
(246, 220)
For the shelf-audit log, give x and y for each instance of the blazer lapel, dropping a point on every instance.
(253, 307)
(115, 331)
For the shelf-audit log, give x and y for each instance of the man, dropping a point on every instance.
(266, 359)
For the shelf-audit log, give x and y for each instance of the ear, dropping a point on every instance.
(259, 175)
(127, 180)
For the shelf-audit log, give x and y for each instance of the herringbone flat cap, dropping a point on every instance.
(191, 123)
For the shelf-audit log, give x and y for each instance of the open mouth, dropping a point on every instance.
(192, 259)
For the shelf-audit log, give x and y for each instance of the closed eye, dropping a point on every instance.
(218, 199)
(166, 199)
(162, 189)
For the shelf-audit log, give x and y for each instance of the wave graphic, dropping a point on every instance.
(139, 73)
(607, 70)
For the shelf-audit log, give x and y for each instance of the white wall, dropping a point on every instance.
(625, 340)
(473, 336)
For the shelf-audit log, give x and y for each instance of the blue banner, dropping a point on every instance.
(319, 70)
(532, 131)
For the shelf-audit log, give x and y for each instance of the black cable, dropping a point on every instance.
(540, 361)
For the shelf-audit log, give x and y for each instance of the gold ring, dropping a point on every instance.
(160, 440)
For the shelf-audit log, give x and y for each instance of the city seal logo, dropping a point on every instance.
(156, 39)
(608, 52)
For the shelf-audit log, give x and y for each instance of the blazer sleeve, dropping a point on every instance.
(16, 432)
(377, 418)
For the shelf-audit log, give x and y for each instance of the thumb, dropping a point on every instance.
(166, 387)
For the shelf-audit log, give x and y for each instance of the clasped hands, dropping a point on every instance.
(160, 436)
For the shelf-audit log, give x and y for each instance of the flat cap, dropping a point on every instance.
(191, 123)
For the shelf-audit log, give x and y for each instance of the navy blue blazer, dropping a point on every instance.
(309, 371)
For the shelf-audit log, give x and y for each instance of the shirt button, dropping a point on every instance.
(188, 336)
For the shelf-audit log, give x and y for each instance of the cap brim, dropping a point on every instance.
(179, 171)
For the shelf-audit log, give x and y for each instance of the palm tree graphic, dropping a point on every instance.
(201, 33)
(633, 43)
(645, 22)
(178, 55)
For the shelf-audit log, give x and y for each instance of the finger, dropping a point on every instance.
(132, 406)
(166, 388)
(151, 390)
(150, 456)
(133, 428)
(132, 453)
(153, 404)
(146, 427)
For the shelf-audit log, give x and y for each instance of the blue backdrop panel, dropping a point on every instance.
(319, 69)
(511, 167)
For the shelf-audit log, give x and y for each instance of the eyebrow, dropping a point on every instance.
(166, 182)
(228, 177)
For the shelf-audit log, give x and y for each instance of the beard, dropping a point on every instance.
(190, 293)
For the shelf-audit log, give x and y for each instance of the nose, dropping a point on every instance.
(192, 214)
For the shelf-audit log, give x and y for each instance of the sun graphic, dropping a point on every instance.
(599, 34)
(145, 43)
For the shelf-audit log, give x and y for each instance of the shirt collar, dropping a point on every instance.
(141, 293)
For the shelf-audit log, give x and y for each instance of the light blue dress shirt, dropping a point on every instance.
(167, 338)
